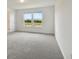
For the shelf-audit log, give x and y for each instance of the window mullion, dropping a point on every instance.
(32, 16)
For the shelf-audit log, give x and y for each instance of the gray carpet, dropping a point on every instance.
(32, 46)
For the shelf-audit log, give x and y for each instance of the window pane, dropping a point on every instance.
(37, 16)
(28, 16)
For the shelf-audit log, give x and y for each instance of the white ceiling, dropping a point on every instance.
(15, 4)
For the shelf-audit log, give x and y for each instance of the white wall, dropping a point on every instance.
(63, 26)
(48, 22)
(10, 20)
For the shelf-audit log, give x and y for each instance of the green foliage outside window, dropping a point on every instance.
(28, 21)
(37, 21)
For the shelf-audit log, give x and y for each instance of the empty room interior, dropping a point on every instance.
(39, 29)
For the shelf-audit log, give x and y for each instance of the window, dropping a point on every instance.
(37, 18)
(33, 19)
(28, 19)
